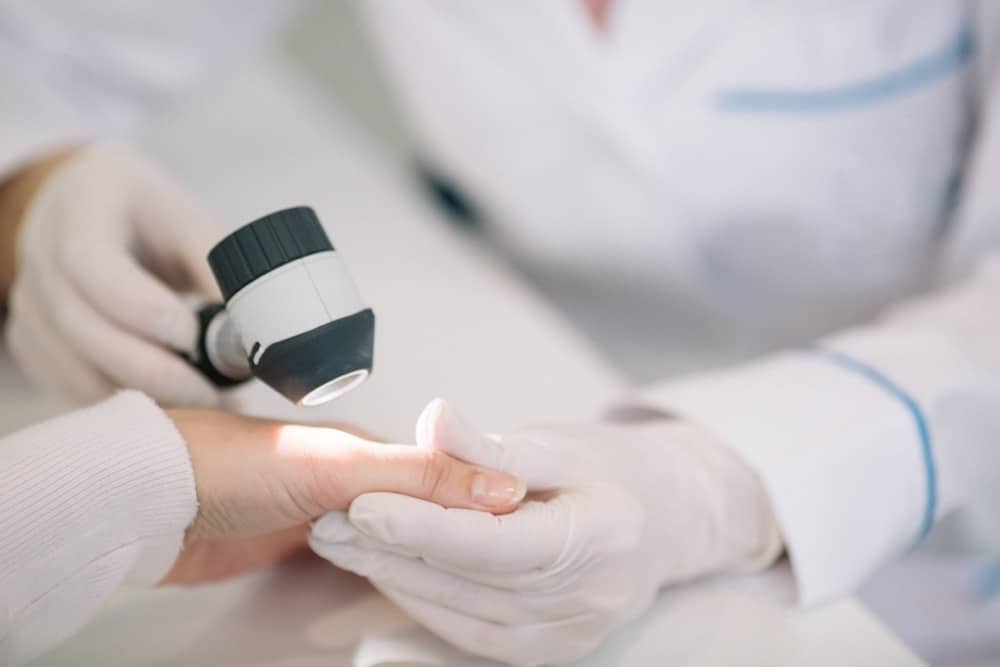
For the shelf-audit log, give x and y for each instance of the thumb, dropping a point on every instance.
(434, 476)
(525, 454)
(340, 467)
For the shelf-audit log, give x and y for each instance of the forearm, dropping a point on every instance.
(87, 501)
(16, 194)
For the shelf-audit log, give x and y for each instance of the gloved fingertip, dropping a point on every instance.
(442, 427)
(379, 515)
(428, 420)
(338, 554)
(363, 512)
(332, 527)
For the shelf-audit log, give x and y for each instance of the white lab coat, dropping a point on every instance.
(771, 195)
(725, 178)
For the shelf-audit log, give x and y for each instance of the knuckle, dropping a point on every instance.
(436, 474)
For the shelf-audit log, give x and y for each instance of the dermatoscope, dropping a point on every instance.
(292, 315)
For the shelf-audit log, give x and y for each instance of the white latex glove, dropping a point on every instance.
(107, 246)
(617, 512)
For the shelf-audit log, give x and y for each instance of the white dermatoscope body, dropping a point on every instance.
(292, 314)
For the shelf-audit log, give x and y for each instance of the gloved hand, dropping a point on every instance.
(105, 248)
(617, 512)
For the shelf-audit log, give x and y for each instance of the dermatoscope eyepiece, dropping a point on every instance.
(292, 314)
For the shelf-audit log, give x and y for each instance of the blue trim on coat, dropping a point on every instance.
(926, 448)
(949, 58)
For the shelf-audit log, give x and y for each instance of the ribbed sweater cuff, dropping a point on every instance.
(78, 487)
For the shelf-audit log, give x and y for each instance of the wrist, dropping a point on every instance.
(111, 481)
(17, 191)
(232, 457)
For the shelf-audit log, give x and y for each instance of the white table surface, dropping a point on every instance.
(452, 321)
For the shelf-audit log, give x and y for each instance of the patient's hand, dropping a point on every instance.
(259, 483)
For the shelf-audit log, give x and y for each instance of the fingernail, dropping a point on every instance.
(494, 489)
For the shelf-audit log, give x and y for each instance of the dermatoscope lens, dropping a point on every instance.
(334, 388)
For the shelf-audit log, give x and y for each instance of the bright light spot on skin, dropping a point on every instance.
(298, 439)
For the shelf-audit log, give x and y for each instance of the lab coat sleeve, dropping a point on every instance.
(866, 438)
(88, 501)
(81, 71)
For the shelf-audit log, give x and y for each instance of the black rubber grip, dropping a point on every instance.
(201, 360)
(265, 244)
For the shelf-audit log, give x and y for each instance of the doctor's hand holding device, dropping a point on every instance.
(105, 245)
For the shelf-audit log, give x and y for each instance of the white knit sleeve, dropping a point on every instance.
(87, 501)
